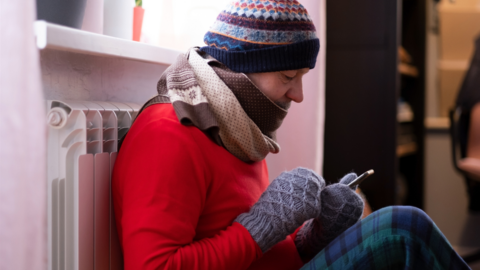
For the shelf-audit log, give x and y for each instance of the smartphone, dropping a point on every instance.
(360, 179)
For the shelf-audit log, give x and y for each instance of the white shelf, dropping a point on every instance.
(52, 36)
(437, 123)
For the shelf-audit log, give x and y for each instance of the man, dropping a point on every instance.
(190, 184)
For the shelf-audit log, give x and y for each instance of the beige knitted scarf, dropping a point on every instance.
(196, 85)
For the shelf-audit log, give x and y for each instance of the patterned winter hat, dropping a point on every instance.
(263, 36)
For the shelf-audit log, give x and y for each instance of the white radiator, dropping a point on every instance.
(82, 147)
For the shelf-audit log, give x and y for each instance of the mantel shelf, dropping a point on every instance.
(57, 37)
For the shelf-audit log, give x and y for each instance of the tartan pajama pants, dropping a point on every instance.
(395, 237)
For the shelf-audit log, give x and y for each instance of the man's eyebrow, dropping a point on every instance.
(285, 72)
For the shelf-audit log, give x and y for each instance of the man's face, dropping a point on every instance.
(281, 87)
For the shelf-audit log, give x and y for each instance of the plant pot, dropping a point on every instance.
(138, 13)
(93, 18)
(118, 18)
(64, 12)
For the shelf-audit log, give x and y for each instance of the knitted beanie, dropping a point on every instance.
(252, 36)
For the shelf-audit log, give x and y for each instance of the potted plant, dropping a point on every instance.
(138, 12)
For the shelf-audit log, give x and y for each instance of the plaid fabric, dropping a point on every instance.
(396, 237)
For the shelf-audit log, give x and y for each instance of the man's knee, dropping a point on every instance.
(407, 216)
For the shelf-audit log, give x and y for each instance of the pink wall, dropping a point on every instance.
(301, 135)
(23, 189)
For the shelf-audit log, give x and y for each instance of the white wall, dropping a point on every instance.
(179, 24)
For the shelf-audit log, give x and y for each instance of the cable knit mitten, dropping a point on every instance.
(290, 200)
(341, 208)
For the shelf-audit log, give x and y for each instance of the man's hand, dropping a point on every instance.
(289, 201)
(341, 208)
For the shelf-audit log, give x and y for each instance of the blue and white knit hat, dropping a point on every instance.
(263, 36)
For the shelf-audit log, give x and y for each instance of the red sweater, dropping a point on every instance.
(176, 194)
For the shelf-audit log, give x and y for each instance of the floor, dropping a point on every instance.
(446, 198)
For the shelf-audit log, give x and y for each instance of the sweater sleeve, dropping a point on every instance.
(160, 186)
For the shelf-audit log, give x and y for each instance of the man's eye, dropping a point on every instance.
(288, 78)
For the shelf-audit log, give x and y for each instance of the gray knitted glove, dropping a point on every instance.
(290, 200)
(341, 208)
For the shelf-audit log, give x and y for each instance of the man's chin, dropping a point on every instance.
(284, 105)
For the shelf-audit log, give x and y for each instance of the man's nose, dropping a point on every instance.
(296, 92)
